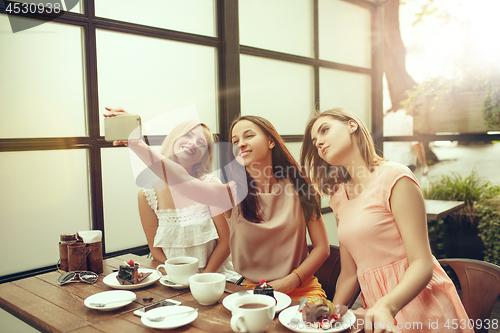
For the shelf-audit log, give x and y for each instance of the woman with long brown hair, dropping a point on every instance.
(268, 228)
(382, 230)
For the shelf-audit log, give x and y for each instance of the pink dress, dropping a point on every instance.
(367, 229)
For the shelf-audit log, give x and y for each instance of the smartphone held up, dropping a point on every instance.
(122, 128)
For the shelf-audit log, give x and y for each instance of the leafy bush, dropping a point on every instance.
(489, 230)
(482, 201)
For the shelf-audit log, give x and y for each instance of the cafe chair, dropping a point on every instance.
(329, 272)
(480, 284)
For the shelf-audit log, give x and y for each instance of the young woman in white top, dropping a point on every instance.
(176, 226)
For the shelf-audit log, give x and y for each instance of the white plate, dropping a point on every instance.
(286, 315)
(111, 281)
(174, 286)
(173, 322)
(118, 297)
(283, 300)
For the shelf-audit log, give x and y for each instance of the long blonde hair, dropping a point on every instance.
(324, 175)
(204, 165)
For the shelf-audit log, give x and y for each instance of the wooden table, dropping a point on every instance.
(437, 209)
(42, 303)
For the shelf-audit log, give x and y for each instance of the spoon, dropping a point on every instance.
(101, 305)
(294, 320)
(161, 318)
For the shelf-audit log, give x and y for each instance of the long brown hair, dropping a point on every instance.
(284, 166)
(324, 175)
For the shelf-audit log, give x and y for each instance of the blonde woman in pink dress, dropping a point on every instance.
(382, 231)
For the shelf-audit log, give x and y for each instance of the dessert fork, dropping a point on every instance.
(161, 318)
(294, 320)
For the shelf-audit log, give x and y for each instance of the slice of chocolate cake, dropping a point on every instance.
(129, 273)
(264, 289)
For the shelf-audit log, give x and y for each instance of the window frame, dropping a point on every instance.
(229, 50)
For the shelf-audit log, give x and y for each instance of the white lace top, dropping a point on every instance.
(188, 231)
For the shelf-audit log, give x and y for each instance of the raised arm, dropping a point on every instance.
(211, 194)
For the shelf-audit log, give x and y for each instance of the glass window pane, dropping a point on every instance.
(294, 148)
(331, 228)
(121, 214)
(44, 194)
(42, 81)
(277, 25)
(324, 201)
(351, 91)
(344, 33)
(150, 76)
(278, 91)
(193, 16)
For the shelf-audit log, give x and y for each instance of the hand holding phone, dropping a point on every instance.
(166, 302)
(122, 128)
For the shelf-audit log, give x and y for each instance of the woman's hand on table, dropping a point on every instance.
(286, 284)
(377, 318)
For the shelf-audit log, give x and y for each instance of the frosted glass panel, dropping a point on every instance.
(324, 201)
(344, 33)
(331, 228)
(121, 214)
(294, 148)
(351, 91)
(193, 16)
(44, 194)
(42, 85)
(279, 91)
(278, 25)
(150, 77)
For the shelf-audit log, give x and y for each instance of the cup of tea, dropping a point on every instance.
(252, 313)
(180, 269)
(207, 288)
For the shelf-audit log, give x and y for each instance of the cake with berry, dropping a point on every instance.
(129, 273)
(264, 289)
(318, 309)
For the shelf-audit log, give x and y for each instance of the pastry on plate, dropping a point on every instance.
(129, 273)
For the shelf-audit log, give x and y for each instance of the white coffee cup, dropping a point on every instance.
(207, 288)
(252, 313)
(180, 269)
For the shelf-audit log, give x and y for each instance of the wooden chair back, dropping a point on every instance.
(329, 272)
(480, 284)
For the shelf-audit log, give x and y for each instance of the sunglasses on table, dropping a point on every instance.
(78, 276)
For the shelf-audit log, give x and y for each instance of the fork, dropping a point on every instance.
(161, 318)
(294, 320)
(101, 305)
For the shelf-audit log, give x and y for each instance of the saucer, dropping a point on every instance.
(164, 281)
